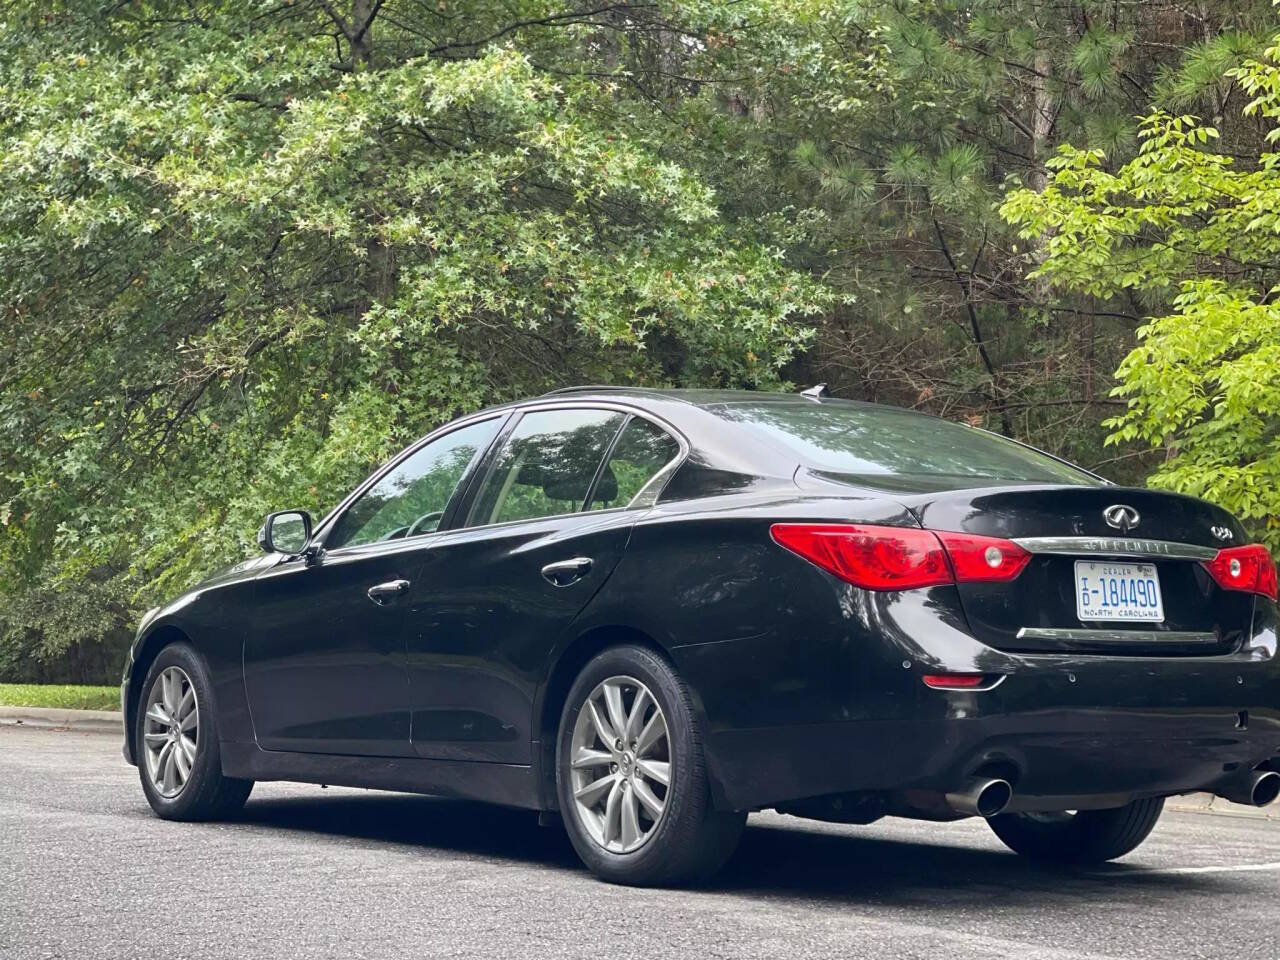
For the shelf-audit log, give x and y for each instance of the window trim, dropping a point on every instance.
(481, 473)
(326, 526)
(608, 452)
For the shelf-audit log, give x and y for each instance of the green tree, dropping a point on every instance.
(893, 130)
(248, 249)
(1195, 234)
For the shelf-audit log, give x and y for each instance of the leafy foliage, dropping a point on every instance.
(895, 129)
(1196, 230)
(237, 274)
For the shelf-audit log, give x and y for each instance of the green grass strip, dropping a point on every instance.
(64, 695)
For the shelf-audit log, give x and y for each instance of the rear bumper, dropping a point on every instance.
(1056, 758)
(791, 719)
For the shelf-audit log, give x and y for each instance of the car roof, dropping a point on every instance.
(698, 397)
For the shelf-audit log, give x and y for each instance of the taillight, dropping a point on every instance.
(1250, 569)
(901, 558)
(984, 558)
(874, 558)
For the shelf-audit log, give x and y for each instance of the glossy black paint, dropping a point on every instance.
(324, 666)
(806, 685)
(478, 636)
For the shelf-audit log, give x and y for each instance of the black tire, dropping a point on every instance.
(1087, 836)
(206, 794)
(692, 840)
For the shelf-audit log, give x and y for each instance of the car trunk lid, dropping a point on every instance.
(1095, 540)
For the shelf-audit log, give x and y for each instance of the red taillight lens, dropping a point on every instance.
(984, 558)
(874, 558)
(901, 558)
(1250, 569)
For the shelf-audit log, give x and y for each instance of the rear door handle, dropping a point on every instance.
(564, 572)
(382, 593)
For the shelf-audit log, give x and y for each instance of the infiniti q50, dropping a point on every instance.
(652, 612)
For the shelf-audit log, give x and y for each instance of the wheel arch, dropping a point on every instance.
(564, 670)
(144, 655)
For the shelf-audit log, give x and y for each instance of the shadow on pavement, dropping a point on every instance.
(475, 829)
(822, 865)
(771, 860)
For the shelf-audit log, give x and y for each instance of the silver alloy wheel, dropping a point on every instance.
(171, 731)
(620, 764)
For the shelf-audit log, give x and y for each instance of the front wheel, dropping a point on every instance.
(631, 775)
(176, 733)
(1083, 836)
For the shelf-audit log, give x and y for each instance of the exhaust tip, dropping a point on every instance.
(981, 797)
(993, 798)
(1266, 789)
(1257, 788)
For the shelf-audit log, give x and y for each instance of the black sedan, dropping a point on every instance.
(651, 612)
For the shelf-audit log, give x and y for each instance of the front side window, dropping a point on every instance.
(547, 465)
(411, 499)
(641, 451)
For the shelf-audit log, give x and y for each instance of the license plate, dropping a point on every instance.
(1118, 591)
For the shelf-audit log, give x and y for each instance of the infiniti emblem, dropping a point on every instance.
(1121, 516)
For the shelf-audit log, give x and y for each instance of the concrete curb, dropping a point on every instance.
(57, 718)
(110, 722)
(1208, 803)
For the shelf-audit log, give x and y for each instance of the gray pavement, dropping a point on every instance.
(86, 871)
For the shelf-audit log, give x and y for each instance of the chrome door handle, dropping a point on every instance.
(564, 572)
(381, 593)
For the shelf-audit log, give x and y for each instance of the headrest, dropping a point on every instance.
(563, 485)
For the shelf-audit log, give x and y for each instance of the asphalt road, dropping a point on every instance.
(87, 872)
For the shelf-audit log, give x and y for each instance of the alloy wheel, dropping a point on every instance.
(171, 731)
(620, 764)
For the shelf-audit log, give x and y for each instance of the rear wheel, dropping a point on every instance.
(1084, 836)
(176, 734)
(631, 775)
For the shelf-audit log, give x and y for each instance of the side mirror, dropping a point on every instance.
(285, 532)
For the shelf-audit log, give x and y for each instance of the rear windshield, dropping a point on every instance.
(872, 444)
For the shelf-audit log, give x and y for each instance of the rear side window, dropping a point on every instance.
(877, 443)
(641, 451)
(546, 466)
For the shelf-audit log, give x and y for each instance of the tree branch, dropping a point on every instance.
(555, 20)
(965, 283)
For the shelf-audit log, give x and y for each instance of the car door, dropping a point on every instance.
(324, 660)
(545, 526)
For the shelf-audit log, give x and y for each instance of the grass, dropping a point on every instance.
(65, 695)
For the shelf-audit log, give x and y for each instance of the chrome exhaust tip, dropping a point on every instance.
(1256, 789)
(981, 797)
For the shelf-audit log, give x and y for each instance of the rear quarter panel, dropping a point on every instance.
(764, 637)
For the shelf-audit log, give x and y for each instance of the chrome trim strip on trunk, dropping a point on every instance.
(1117, 547)
(1118, 636)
